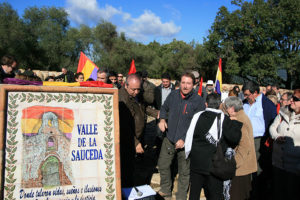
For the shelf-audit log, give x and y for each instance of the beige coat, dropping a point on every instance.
(286, 155)
(245, 152)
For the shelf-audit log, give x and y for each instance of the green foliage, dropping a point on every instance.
(255, 40)
(258, 39)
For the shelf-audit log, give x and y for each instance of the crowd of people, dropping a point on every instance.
(251, 126)
(260, 129)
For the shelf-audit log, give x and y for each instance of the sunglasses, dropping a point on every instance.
(295, 98)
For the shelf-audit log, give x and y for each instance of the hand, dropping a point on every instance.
(179, 144)
(233, 118)
(280, 139)
(162, 125)
(139, 148)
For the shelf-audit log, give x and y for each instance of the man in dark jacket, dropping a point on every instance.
(162, 91)
(204, 146)
(179, 108)
(132, 121)
(66, 75)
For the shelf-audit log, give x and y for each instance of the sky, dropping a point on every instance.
(140, 20)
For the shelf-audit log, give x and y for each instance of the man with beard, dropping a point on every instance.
(178, 108)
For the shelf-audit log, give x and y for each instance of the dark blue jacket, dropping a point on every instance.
(270, 112)
(179, 113)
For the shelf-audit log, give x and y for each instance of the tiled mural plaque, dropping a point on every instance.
(59, 146)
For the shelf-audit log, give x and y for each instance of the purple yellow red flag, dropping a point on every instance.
(87, 67)
(32, 119)
(218, 85)
(132, 69)
(200, 87)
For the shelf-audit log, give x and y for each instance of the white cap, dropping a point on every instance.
(196, 74)
(209, 82)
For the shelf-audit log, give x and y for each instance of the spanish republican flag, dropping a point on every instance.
(87, 67)
(32, 119)
(132, 69)
(218, 86)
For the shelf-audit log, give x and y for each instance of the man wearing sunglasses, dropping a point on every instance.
(261, 112)
(120, 79)
(8, 65)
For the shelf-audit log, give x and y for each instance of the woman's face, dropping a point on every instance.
(295, 103)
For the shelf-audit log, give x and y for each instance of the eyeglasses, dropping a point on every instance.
(247, 95)
(295, 99)
(120, 76)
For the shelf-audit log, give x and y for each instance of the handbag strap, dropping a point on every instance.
(218, 124)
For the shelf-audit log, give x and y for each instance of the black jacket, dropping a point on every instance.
(202, 150)
(4, 75)
(179, 113)
(69, 75)
(204, 93)
(157, 95)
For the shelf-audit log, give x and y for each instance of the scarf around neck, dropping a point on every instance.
(211, 136)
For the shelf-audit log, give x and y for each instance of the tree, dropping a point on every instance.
(257, 39)
(13, 38)
(49, 28)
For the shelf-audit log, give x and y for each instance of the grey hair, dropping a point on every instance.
(288, 94)
(100, 71)
(234, 102)
(131, 77)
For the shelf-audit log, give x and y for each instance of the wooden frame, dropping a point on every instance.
(13, 97)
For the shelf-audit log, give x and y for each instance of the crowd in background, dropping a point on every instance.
(261, 128)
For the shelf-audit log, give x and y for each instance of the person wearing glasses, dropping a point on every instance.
(8, 65)
(132, 124)
(120, 79)
(286, 99)
(261, 112)
(285, 131)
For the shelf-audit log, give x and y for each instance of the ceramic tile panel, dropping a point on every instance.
(60, 146)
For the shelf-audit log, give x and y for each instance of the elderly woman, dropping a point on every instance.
(245, 152)
(285, 131)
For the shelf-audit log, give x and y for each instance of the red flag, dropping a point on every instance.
(132, 69)
(200, 87)
(278, 108)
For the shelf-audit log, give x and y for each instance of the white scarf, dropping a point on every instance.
(211, 135)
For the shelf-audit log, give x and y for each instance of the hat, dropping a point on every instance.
(209, 82)
(196, 74)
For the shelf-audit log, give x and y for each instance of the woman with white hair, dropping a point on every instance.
(244, 153)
